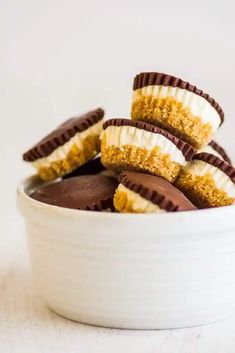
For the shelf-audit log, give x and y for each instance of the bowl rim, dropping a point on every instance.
(26, 182)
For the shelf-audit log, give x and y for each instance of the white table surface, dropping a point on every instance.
(28, 326)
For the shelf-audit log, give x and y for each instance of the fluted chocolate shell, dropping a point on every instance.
(187, 150)
(216, 162)
(62, 134)
(157, 78)
(157, 190)
(89, 192)
(221, 151)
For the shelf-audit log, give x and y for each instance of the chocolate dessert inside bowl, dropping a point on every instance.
(136, 254)
(89, 192)
(125, 270)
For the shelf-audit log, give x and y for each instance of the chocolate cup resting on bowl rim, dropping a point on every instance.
(86, 192)
(69, 146)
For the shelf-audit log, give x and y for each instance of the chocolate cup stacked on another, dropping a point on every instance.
(134, 145)
(177, 106)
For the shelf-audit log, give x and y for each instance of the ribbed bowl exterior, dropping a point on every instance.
(132, 271)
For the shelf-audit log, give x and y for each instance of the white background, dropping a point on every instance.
(60, 58)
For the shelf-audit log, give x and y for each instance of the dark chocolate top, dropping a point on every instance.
(157, 78)
(220, 150)
(63, 133)
(92, 167)
(187, 150)
(89, 192)
(218, 163)
(157, 190)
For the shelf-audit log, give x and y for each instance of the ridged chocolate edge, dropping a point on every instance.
(187, 150)
(216, 162)
(157, 78)
(46, 148)
(100, 206)
(220, 150)
(153, 196)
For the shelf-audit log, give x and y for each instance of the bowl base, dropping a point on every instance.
(106, 323)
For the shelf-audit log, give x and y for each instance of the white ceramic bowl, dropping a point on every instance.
(132, 271)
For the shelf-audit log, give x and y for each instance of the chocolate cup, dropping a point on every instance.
(145, 79)
(187, 150)
(62, 134)
(157, 190)
(88, 192)
(216, 162)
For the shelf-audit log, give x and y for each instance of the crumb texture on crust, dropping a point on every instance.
(148, 80)
(129, 157)
(127, 201)
(120, 136)
(171, 114)
(202, 190)
(75, 158)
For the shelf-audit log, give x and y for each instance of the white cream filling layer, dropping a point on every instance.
(120, 136)
(209, 149)
(138, 202)
(222, 181)
(61, 152)
(198, 105)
